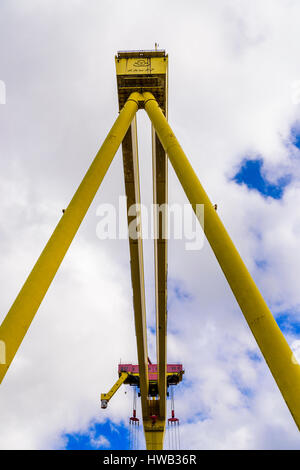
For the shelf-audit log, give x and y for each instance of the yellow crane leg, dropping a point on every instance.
(274, 347)
(154, 434)
(160, 199)
(132, 191)
(154, 426)
(21, 314)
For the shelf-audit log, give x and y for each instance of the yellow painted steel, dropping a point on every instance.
(141, 65)
(147, 70)
(160, 199)
(275, 349)
(132, 189)
(21, 314)
(154, 434)
(142, 70)
(154, 426)
(107, 396)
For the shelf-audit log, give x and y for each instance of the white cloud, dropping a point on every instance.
(99, 441)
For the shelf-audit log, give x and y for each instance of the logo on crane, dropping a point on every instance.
(142, 63)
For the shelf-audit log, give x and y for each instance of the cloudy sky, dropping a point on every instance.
(234, 104)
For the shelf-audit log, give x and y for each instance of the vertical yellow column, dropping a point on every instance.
(155, 436)
(154, 429)
(20, 316)
(160, 199)
(132, 191)
(276, 351)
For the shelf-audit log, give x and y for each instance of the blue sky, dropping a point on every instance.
(116, 435)
(295, 135)
(251, 174)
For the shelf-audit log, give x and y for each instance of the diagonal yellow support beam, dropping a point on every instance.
(21, 314)
(274, 347)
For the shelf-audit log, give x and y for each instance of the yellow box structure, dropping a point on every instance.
(142, 71)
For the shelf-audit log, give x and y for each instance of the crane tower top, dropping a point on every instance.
(142, 71)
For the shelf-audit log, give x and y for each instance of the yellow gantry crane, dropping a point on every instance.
(142, 79)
